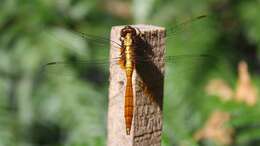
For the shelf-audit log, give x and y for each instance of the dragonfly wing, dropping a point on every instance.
(102, 41)
(95, 71)
(71, 39)
(188, 59)
(181, 27)
(178, 60)
(181, 65)
(178, 66)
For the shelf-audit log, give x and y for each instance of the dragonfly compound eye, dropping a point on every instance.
(128, 29)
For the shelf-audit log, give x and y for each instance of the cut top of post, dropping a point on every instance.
(146, 84)
(142, 27)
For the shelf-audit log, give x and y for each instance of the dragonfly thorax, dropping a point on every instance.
(128, 41)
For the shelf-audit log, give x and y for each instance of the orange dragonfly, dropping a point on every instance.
(129, 61)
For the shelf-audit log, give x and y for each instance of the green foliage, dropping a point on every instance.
(68, 106)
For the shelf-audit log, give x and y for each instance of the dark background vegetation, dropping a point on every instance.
(55, 109)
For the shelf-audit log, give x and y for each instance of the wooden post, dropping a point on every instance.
(147, 80)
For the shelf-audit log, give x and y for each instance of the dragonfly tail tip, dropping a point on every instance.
(128, 131)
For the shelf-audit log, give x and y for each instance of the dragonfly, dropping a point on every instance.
(131, 58)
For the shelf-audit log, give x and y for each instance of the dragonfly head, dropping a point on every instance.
(128, 29)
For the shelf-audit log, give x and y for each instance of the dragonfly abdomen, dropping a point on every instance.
(129, 106)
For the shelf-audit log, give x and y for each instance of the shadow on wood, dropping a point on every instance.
(152, 77)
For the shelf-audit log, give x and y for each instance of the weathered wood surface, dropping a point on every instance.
(148, 93)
